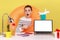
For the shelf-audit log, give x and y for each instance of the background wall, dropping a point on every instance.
(7, 6)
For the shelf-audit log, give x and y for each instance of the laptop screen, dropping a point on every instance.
(43, 26)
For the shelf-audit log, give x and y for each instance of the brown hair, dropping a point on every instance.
(28, 6)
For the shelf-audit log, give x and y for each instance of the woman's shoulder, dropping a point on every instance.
(24, 18)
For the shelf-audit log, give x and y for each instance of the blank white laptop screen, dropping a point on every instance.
(43, 25)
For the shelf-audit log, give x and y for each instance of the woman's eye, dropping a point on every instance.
(25, 10)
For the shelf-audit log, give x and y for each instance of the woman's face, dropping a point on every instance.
(27, 11)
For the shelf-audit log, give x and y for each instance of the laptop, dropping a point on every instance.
(43, 26)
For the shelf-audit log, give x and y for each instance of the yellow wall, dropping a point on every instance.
(7, 6)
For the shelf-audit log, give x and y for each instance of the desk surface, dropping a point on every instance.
(31, 37)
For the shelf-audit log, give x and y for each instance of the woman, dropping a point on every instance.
(25, 21)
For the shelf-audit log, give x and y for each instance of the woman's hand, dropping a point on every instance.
(25, 27)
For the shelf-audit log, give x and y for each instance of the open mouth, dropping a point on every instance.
(27, 14)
